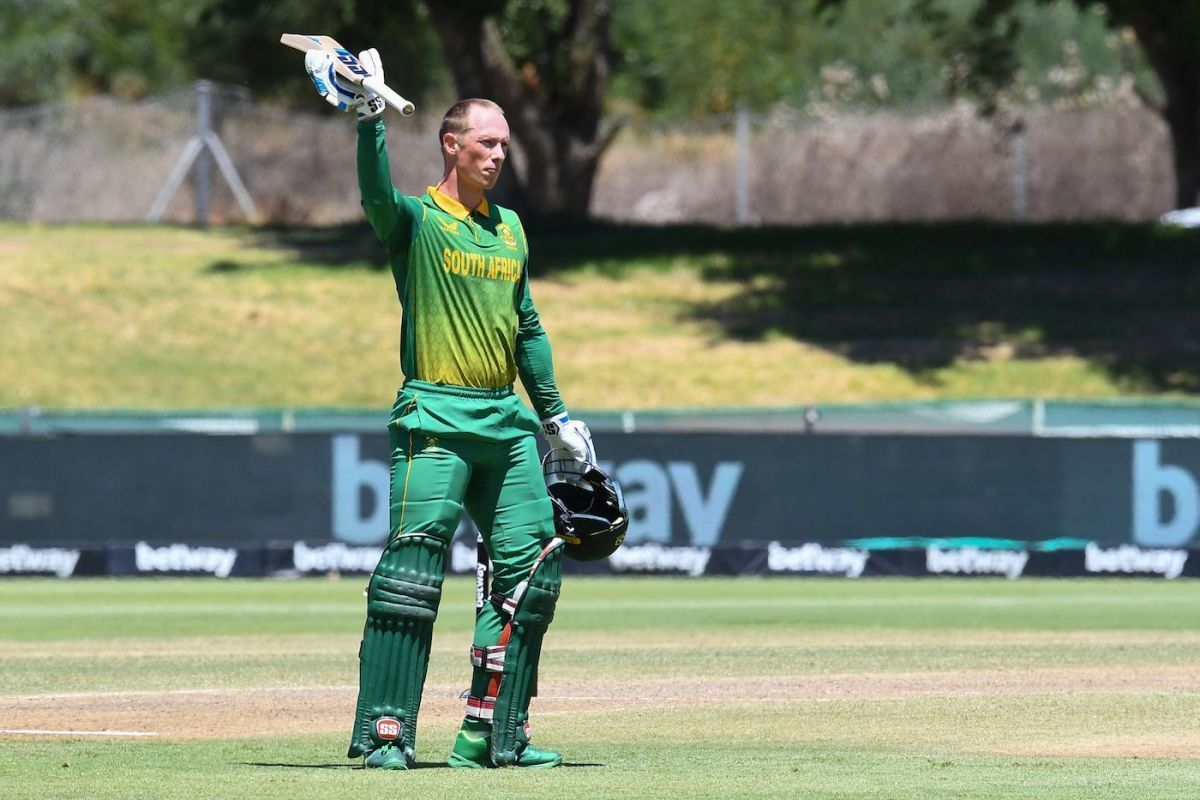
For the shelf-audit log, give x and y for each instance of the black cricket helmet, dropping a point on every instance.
(589, 510)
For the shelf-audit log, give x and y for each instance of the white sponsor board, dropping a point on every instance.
(216, 561)
(335, 557)
(1131, 559)
(816, 559)
(660, 558)
(22, 559)
(974, 561)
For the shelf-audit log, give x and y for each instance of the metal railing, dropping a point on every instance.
(1032, 417)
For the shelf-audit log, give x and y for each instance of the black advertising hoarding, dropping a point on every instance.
(807, 560)
(701, 503)
(164, 488)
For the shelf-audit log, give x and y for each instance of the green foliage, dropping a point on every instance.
(821, 55)
(133, 47)
(238, 42)
(527, 28)
(673, 59)
(1008, 52)
(1175, 23)
(38, 47)
(1079, 56)
(124, 47)
(982, 51)
(705, 55)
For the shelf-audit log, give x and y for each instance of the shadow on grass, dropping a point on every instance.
(300, 766)
(920, 297)
(337, 246)
(359, 766)
(351, 765)
(1125, 298)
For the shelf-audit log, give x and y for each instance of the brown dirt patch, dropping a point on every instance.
(634, 640)
(238, 712)
(1176, 745)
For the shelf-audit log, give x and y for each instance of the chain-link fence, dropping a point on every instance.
(101, 159)
(106, 160)
(1110, 164)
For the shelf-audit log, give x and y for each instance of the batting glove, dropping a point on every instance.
(569, 435)
(338, 91)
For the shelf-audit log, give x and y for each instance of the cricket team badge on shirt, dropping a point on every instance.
(506, 236)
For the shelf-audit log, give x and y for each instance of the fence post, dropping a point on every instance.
(197, 157)
(1020, 207)
(741, 167)
(203, 168)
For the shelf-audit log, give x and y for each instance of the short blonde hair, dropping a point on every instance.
(456, 119)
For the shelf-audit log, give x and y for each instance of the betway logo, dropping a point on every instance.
(23, 559)
(1132, 559)
(652, 490)
(216, 561)
(973, 561)
(1154, 481)
(334, 557)
(817, 559)
(656, 558)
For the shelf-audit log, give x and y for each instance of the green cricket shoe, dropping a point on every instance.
(471, 752)
(389, 756)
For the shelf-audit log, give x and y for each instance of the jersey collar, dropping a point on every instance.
(455, 208)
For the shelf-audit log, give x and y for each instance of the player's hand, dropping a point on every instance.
(341, 93)
(569, 435)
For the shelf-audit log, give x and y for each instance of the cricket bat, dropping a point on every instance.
(349, 67)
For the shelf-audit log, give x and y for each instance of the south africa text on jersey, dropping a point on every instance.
(478, 265)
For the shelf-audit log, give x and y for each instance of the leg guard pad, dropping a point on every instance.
(402, 604)
(532, 609)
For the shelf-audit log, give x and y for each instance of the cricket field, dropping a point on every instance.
(651, 688)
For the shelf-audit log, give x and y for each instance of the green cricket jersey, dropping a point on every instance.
(463, 283)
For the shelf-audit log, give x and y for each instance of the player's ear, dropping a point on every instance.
(450, 142)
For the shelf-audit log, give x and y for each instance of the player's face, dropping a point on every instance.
(483, 148)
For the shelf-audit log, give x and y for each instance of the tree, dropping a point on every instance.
(1169, 33)
(546, 62)
(55, 48)
(238, 42)
(709, 57)
(1166, 30)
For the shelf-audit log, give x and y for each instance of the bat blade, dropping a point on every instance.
(349, 67)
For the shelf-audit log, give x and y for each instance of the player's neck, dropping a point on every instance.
(468, 195)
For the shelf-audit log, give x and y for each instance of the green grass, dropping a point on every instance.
(156, 317)
(767, 766)
(716, 688)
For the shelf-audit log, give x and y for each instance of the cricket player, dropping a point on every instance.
(459, 438)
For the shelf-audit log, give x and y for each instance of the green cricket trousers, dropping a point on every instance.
(456, 449)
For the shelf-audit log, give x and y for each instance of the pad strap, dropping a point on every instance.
(481, 708)
(488, 658)
(506, 605)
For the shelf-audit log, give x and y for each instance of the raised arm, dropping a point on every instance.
(389, 212)
(392, 215)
